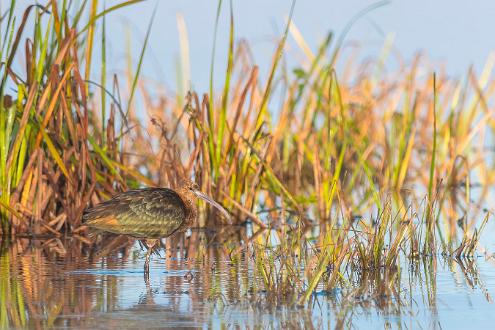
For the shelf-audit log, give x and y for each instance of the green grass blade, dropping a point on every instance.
(140, 62)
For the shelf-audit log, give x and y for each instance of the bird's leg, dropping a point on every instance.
(150, 245)
(147, 265)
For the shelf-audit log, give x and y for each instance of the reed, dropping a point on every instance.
(384, 162)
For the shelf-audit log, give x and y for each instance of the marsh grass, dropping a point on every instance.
(385, 163)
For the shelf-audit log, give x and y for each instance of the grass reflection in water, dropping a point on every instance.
(209, 279)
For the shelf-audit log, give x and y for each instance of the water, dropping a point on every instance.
(64, 284)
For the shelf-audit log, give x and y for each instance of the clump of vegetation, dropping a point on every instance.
(59, 149)
(384, 162)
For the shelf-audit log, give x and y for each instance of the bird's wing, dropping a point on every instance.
(150, 212)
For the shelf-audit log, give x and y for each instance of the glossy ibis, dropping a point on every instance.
(149, 214)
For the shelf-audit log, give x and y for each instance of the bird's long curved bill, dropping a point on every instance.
(207, 199)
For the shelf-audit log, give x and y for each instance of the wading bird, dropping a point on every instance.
(149, 214)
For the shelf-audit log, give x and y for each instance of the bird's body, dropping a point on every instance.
(148, 214)
(143, 213)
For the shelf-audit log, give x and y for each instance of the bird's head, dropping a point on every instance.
(192, 188)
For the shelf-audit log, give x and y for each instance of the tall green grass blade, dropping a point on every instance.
(223, 113)
(105, 12)
(103, 73)
(211, 107)
(140, 62)
(41, 65)
(278, 55)
(434, 150)
(350, 24)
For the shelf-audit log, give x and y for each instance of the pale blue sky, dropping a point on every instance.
(457, 33)
(451, 32)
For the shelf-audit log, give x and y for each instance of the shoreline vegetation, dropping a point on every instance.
(388, 165)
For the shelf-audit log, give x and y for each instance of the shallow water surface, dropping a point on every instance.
(50, 284)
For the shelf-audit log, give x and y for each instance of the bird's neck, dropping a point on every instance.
(189, 200)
